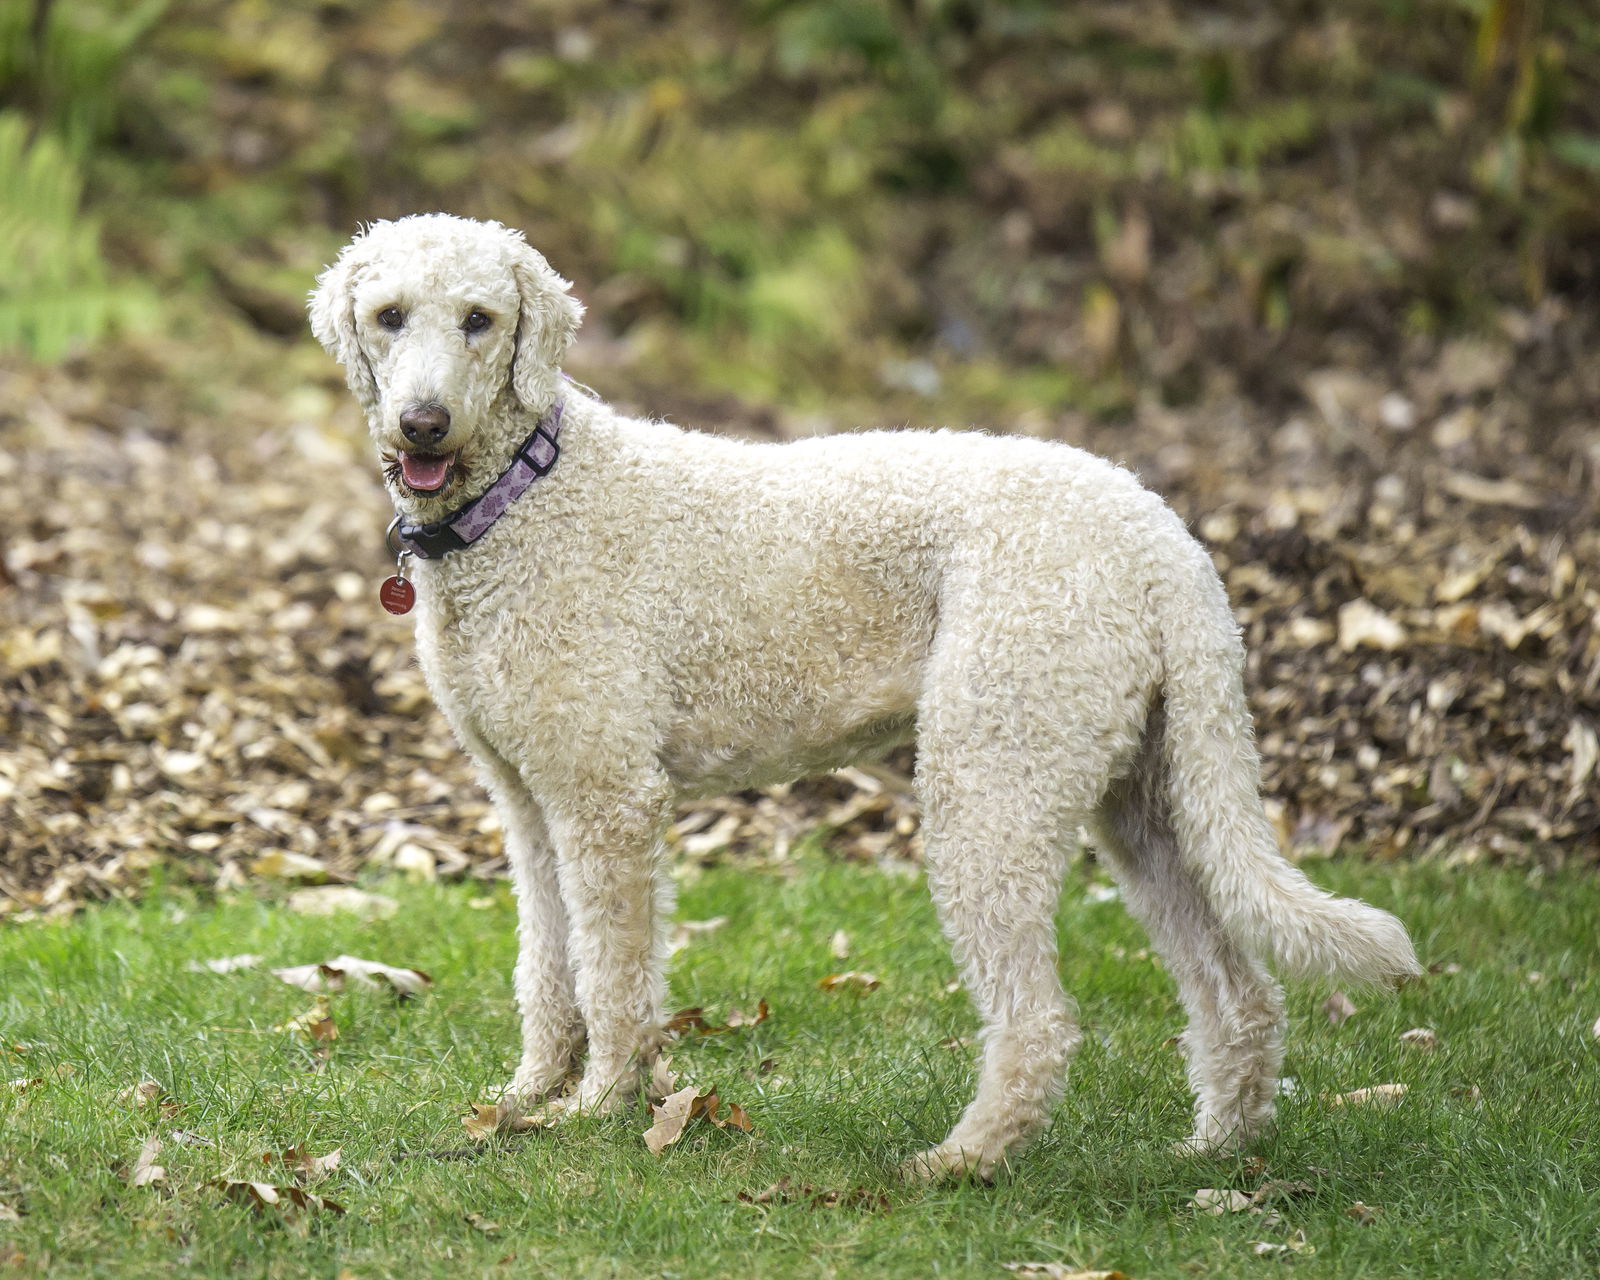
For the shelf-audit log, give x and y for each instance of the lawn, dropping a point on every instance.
(1489, 1166)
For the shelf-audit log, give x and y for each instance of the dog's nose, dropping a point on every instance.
(425, 425)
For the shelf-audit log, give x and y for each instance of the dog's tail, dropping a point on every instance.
(1213, 782)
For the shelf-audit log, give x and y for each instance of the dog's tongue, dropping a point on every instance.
(424, 472)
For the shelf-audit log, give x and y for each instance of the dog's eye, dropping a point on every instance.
(390, 318)
(476, 322)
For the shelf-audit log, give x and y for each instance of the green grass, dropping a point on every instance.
(1504, 1182)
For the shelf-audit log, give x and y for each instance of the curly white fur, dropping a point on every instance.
(670, 613)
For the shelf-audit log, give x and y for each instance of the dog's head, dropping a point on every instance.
(451, 333)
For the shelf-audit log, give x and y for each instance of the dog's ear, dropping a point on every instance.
(333, 320)
(547, 319)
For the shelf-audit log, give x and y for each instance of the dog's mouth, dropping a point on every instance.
(426, 474)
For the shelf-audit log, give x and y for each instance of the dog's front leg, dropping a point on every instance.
(552, 1028)
(617, 895)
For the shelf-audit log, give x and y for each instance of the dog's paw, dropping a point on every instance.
(947, 1163)
(1210, 1139)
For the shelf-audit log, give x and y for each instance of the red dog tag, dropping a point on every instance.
(397, 595)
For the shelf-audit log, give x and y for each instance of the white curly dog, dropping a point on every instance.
(662, 613)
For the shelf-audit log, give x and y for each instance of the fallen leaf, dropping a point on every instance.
(1421, 1039)
(1280, 1189)
(9, 1213)
(262, 1196)
(223, 964)
(1059, 1271)
(315, 1025)
(671, 1117)
(693, 1019)
(145, 1170)
(737, 1018)
(1365, 1214)
(1339, 1008)
(331, 975)
(786, 1191)
(1296, 1244)
(1217, 1201)
(489, 1118)
(676, 1110)
(687, 930)
(854, 980)
(1378, 1095)
(305, 1166)
(330, 899)
(958, 1043)
(839, 945)
(479, 1223)
(142, 1094)
(662, 1079)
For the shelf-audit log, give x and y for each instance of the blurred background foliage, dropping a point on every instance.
(1016, 204)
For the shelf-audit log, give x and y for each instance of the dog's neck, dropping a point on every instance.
(501, 473)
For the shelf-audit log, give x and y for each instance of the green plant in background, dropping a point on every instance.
(59, 72)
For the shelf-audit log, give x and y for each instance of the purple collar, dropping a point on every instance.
(463, 527)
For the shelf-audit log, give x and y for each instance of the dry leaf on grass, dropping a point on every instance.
(264, 1196)
(672, 1116)
(331, 975)
(1295, 1245)
(1217, 1201)
(479, 1223)
(693, 1021)
(223, 964)
(1378, 1095)
(854, 980)
(315, 1025)
(332, 899)
(662, 1079)
(1059, 1271)
(144, 1171)
(142, 1094)
(9, 1213)
(676, 1110)
(1420, 1039)
(490, 1118)
(786, 1191)
(28, 1083)
(1364, 1214)
(302, 1164)
(1339, 1008)
(839, 945)
(686, 931)
(1276, 1189)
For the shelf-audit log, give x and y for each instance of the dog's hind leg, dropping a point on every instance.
(1234, 1042)
(996, 887)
